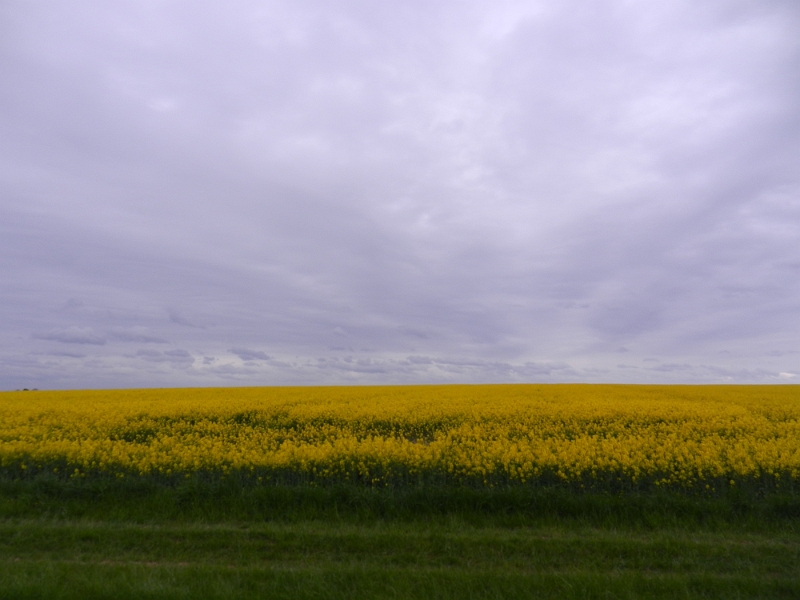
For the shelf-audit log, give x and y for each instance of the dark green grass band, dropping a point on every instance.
(399, 476)
(220, 500)
(121, 582)
(141, 582)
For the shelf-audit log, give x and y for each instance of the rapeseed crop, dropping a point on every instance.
(610, 437)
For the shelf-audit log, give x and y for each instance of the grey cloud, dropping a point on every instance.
(673, 367)
(168, 356)
(360, 366)
(445, 369)
(66, 354)
(419, 360)
(413, 193)
(136, 334)
(72, 335)
(246, 354)
(532, 369)
(411, 332)
(176, 317)
(231, 373)
(24, 362)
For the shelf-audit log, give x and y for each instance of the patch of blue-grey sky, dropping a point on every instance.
(203, 193)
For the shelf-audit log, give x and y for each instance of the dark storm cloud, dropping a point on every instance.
(300, 192)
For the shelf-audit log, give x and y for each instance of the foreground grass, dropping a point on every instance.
(138, 581)
(105, 539)
(85, 559)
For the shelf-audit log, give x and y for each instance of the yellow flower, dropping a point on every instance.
(501, 434)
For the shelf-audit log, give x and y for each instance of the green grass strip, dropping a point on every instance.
(67, 581)
(148, 500)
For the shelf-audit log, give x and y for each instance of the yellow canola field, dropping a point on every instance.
(484, 434)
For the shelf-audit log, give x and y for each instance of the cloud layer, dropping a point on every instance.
(195, 193)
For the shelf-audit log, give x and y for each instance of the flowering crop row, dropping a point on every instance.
(684, 436)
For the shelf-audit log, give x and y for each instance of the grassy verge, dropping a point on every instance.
(139, 539)
(122, 582)
(63, 559)
(148, 500)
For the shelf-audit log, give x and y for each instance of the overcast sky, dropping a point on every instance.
(259, 193)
